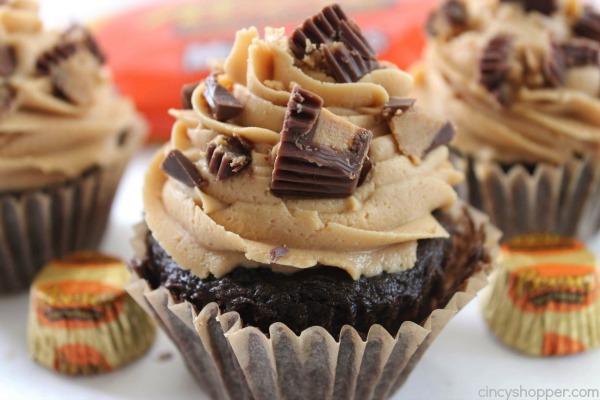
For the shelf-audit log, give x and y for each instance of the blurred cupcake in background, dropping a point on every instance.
(65, 138)
(521, 82)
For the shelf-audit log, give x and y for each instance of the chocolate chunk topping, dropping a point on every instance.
(186, 95)
(51, 58)
(345, 66)
(589, 25)
(450, 19)
(277, 253)
(179, 167)
(8, 60)
(7, 97)
(444, 136)
(347, 54)
(396, 105)
(73, 65)
(227, 155)
(367, 167)
(554, 66)
(581, 52)
(320, 155)
(494, 67)
(417, 133)
(80, 35)
(543, 6)
(223, 106)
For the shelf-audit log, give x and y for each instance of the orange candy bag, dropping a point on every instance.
(155, 49)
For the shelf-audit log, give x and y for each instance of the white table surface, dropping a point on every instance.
(464, 362)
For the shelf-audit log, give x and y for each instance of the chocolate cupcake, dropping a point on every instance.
(301, 225)
(521, 81)
(65, 137)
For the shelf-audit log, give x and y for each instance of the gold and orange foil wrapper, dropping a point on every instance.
(81, 320)
(231, 361)
(545, 299)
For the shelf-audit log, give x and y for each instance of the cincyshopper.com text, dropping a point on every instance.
(538, 394)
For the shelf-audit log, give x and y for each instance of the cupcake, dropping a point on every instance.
(65, 137)
(302, 237)
(521, 82)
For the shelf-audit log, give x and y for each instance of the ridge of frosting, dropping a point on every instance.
(215, 225)
(519, 85)
(59, 112)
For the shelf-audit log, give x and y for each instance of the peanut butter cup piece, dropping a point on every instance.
(543, 6)
(7, 98)
(417, 133)
(450, 20)
(320, 155)
(347, 54)
(80, 35)
(73, 66)
(554, 66)
(580, 52)
(223, 106)
(226, 156)
(588, 25)
(186, 95)
(494, 68)
(397, 105)
(8, 60)
(180, 168)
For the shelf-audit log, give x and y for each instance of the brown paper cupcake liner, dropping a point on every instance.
(541, 199)
(39, 225)
(230, 361)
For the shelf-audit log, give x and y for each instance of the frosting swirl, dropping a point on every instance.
(536, 100)
(220, 225)
(59, 112)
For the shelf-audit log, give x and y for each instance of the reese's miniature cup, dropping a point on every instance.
(544, 300)
(81, 320)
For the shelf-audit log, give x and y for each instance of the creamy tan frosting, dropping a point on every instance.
(46, 139)
(239, 222)
(541, 124)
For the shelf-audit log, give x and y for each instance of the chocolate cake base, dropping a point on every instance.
(326, 296)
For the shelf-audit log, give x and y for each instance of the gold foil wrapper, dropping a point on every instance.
(545, 298)
(81, 320)
(230, 361)
(541, 198)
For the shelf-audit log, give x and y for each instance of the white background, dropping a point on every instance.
(464, 361)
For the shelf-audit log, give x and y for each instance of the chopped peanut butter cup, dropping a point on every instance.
(589, 25)
(347, 54)
(180, 168)
(320, 155)
(227, 155)
(223, 106)
(494, 68)
(543, 6)
(581, 52)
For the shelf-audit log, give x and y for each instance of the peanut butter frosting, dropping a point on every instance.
(60, 114)
(219, 224)
(520, 79)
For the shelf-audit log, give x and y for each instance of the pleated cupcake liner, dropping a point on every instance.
(230, 361)
(39, 225)
(560, 199)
